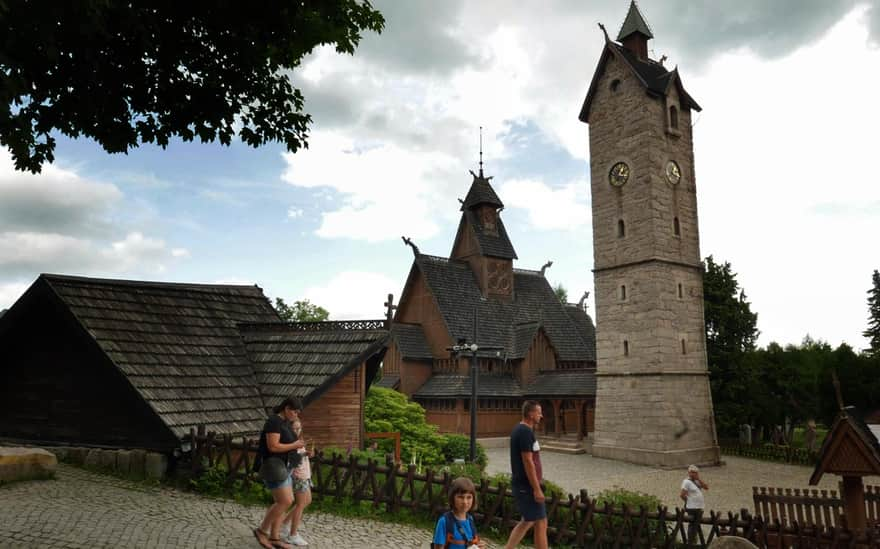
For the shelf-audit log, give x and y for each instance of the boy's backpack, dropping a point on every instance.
(451, 523)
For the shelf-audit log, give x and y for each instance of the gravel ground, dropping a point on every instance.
(730, 485)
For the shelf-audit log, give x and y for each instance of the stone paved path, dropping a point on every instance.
(88, 510)
(730, 485)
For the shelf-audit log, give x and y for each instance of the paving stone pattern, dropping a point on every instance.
(81, 509)
(730, 485)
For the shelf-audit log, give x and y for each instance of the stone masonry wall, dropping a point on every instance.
(653, 401)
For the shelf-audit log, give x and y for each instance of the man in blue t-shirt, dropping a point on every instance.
(526, 473)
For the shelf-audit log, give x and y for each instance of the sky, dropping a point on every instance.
(786, 155)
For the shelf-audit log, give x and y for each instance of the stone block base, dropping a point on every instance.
(24, 463)
(710, 455)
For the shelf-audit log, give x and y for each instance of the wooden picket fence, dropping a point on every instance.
(573, 521)
(822, 508)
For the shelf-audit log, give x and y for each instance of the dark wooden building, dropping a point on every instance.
(545, 348)
(138, 364)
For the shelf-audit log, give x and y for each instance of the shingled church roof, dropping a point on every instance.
(456, 385)
(411, 341)
(501, 323)
(493, 244)
(481, 192)
(305, 359)
(178, 345)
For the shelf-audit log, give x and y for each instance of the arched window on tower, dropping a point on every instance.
(676, 226)
(680, 291)
(625, 348)
(623, 292)
(621, 228)
(673, 117)
(683, 347)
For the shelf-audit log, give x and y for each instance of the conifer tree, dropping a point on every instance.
(873, 331)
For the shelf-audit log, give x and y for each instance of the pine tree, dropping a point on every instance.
(873, 331)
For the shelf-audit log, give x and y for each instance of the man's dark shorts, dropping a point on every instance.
(530, 509)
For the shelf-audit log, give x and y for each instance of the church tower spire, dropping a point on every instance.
(635, 33)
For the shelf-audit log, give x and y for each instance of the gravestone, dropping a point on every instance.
(747, 434)
(810, 436)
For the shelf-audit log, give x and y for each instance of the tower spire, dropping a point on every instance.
(481, 152)
(635, 32)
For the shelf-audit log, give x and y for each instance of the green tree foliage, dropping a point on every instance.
(561, 292)
(873, 331)
(125, 74)
(301, 311)
(731, 332)
(386, 410)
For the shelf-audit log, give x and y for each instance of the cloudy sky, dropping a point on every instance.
(786, 158)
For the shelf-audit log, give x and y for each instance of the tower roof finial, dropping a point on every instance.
(633, 23)
(481, 152)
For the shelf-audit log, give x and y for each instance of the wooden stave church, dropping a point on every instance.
(545, 348)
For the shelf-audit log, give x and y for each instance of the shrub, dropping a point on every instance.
(618, 497)
(469, 470)
(388, 410)
(459, 447)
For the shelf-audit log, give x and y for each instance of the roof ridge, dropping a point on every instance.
(320, 326)
(151, 283)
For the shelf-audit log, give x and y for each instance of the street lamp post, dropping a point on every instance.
(462, 346)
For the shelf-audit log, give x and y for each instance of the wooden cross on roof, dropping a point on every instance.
(390, 307)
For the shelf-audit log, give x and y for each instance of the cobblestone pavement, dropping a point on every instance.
(730, 485)
(84, 509)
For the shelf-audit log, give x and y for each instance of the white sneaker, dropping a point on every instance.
(297, 540)
(285, 529)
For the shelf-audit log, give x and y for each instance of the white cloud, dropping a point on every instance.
(383, 189)
(786, 179)
(564, 208)
(353, 295)
(182, 253)
(56, 200)
(10, 292)
(294, 213)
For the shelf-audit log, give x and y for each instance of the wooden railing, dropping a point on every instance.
(577, 521)
(808, 507)
(823, 508)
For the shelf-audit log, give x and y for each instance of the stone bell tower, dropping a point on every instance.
(653, 404)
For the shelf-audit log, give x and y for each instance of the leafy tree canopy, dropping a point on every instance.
(301, 311)
(125, 74)
(561, 292)
(873, 331)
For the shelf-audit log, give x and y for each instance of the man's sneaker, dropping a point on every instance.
(297, 540)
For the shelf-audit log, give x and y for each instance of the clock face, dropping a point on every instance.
(673, 172)
(619, 174)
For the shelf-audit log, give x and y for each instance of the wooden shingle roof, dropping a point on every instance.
(457, 385)
(411, 341)
(305, 359)
(178, 345)
(492, 244)
(456, 292)
(562, 383)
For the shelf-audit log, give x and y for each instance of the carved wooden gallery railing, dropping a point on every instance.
(573, 521)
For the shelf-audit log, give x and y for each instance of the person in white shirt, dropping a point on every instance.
(692, 488)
